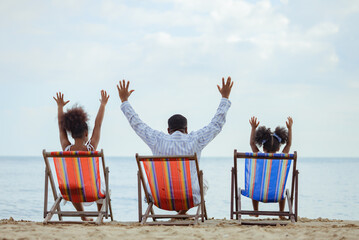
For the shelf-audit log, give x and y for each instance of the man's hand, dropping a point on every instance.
(60, 100)
(253, 122)
(226, 87)
(104, 97)
(123, 90)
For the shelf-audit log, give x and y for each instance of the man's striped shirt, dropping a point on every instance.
(179, 143)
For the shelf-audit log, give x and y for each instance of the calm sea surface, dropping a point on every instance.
(328, 188)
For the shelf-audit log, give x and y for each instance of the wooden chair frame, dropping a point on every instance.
(290, 196)
(56, 210)
(149, 213)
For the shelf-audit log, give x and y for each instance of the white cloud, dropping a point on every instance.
(353, 84)
(77, 5)
(334, 58)
(323, 29)
(24, 12)
(181, 49)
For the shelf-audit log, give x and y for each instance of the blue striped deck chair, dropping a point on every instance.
(167, 183)
(79, 180)
(265, 177)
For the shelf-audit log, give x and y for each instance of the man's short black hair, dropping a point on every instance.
(177, 122)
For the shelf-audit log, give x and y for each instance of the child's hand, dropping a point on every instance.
(60, 99)
(289, 123)
(253, 122)
(104, 97)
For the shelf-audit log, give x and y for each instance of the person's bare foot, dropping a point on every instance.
(87, 219)
(182, 212)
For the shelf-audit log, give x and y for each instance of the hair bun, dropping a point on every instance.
(263, 135)
(282, 133)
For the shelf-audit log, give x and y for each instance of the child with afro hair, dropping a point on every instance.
(271, 142)
(74, 121)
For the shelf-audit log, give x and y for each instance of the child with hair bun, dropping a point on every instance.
(74, 121)
(271, 142)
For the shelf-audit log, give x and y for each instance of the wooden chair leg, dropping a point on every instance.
(239, 204)
(52, 182)
(107, 198)
(139, 197)
(199, 208)
(232, 202)
(146, 215)
(202, 212)
(153, 213)
(52, 210)
(100, 216)
(296, 196)
(291, 215)
(46, 192)
(236, 193)
(205, 211)
(109, 205)
(202, 195)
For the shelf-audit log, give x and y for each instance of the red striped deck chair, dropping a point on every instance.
(265, 179)
(78, 178)
(168, 184)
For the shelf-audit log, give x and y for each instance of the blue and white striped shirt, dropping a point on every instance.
(179, 143)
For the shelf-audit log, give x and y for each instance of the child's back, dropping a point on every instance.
(271, 142)
(74, 121)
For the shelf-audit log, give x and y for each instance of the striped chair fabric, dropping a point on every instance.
(169, 183)
(78, 177)
(265, 179)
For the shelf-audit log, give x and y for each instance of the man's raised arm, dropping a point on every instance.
(147, 134)
(206, 134)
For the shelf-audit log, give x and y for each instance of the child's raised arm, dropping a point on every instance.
(60, 112)
(289, 124)
(254, 123)
(95, 138)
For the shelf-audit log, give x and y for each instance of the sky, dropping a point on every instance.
(286, 58)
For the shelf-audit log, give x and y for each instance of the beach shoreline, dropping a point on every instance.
(211, 229)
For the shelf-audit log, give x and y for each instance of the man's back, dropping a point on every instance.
(178, 142)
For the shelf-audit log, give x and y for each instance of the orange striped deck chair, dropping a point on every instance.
(79, 180)
(265, 179)
(168, 184)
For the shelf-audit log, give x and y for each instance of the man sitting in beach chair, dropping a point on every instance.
(178, 141)
(167, 184)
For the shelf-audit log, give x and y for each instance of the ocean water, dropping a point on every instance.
(328, 188)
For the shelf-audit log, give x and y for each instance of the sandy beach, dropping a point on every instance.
(210, 229)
